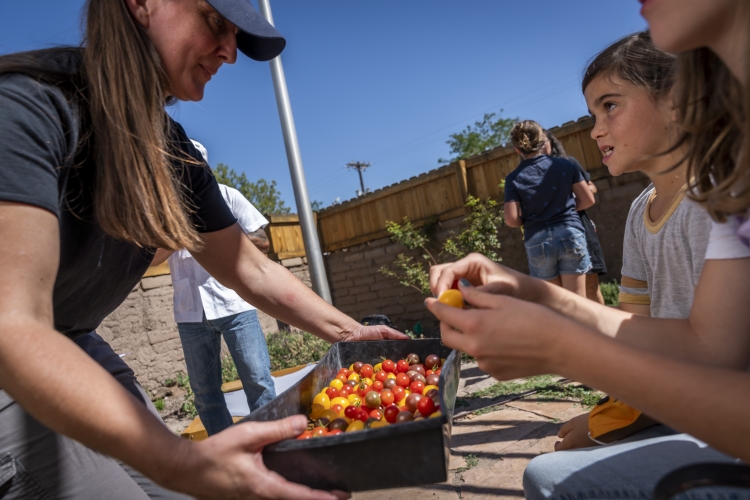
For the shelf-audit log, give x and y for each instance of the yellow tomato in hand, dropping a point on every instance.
(452, 298)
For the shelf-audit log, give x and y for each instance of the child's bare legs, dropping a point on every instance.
(576, 283)
(593, 291)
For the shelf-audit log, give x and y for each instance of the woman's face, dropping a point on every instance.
(631, 128)
(681, 25)
(192, 40)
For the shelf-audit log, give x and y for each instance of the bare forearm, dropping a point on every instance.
(684, 396)
(86, 403)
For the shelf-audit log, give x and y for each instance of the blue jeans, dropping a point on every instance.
(557, 250)
(201, 343)
(623, 471)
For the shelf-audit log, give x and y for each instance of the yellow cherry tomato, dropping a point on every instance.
(351, 367)
(436, 414)
(379, 423)
(367, 381)
(407, 392)
(428, 387)
(354, 398)
(391, 375)
(316, 411)
(336, 383)
(322, 399)
(377, 368)
(452, 298)
(354, 376)
(355, 426)
(340, 401)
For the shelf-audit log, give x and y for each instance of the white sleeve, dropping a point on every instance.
(248, 217)
(724, 243)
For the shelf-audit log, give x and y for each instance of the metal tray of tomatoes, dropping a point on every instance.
(408, 454)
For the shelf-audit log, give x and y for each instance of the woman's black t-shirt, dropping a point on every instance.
(40, 166)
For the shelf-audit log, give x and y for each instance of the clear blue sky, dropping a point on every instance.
(384, 82)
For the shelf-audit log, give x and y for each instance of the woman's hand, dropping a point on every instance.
(230, 465)
(492, 277)
(575, 434)
(373, 332)
(510, 338)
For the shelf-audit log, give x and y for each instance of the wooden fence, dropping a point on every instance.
(433, 196)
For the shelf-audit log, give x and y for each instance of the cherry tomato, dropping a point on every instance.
(379, 423)
(355, 426)
(412, 358)
(375, 414)
(319, 432)
(404, 416)
(352, 383)
(390, 383)
(452, 298)
(428, 373)
(386, 397)
(351, 412)
(429, 388)
(344, 372)
(341, 377)
(417, 386)
(357, 367)
(390, 413)
(323, 400)
(339, 409)
(402, 379)
(412, 401)
(354, 376)
(377, 368)
(381, 376)
(334, 432)
(398, 393)
(305, 435)
(402, 366)
(354, 398)
(389, 366)
(372, 400)
(366, 371)
(362, 415)
(432, 362)
(426, 407)
(345, 391)
(337, 383)
(377, 386)
(332, 392)
(316, 411)
(363, 390)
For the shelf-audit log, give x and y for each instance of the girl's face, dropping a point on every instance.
(192, 40)
(631, 128)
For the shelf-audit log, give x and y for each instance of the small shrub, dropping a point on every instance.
(188, 406)
(288, 349)
(159, 404)
(611, 293)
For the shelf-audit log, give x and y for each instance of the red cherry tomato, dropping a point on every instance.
(332, 392)
(366, 371)
(428, 373)
(381, 376)
(402, 379)
(389, 366)
(351, 412)
(376, 415)
(402, 366)
(307, 435)
(390, 413)
(386, 397)
(426, 407)
(398, 393)
(362, 414)
(363, 390)
(341, 377)
(319, 432)
(417, 387)
(334, 432)
(345, 391)
(377, 386)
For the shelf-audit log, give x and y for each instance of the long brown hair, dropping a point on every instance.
(713, 109)
(120, 88)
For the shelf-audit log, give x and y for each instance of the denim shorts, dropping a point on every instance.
(557, 250)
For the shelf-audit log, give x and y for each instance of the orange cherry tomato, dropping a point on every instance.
(452, 298)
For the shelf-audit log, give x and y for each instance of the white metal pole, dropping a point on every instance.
(301, 196)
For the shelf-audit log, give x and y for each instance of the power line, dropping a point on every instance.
(359, 166)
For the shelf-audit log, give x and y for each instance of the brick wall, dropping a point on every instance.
(359, 289)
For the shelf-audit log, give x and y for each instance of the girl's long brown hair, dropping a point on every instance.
(120, 88)
(713, 109)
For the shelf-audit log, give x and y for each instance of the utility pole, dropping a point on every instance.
(307, 223)
(359, 166)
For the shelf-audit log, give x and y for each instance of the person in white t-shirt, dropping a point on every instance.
(205, 310)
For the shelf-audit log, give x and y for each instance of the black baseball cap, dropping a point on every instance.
(257, 39)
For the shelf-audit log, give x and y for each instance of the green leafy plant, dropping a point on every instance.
(188, 406)
(491, 132)
(611, 293)
(262, 194)
(478, 234)
(545, 386)
(288, 349)
(159, 404)
(471, 462)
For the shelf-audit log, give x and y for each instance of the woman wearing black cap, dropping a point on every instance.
(94, 176)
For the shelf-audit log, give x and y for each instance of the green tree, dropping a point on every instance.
(262, 194)
(478, 234)
(491, 132)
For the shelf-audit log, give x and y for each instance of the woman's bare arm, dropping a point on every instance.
(230, 257)
(512, 211)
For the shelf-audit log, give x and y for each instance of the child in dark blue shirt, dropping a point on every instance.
(539, 196)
